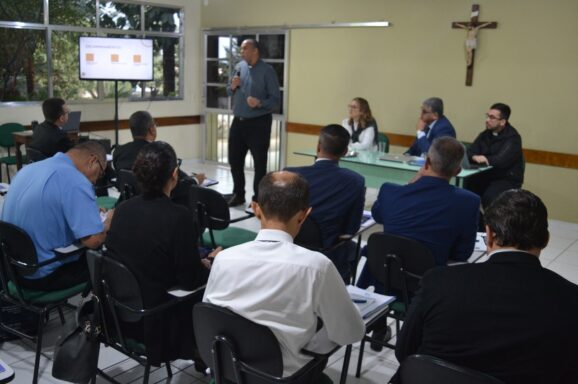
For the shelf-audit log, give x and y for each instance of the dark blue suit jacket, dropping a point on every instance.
(442, 127)
(439, 215)
(337, 196)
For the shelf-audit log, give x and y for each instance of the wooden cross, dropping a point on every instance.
(472, 27)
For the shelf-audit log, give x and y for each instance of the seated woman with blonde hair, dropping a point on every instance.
(361, 125)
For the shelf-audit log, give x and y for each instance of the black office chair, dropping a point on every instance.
(33, 155)
(240, 351)
(127, 184)
(398, 263)
(120, 296)
(214, 216)
(424, 369)
(310, 236)
(18, 259)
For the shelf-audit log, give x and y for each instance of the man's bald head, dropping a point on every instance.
(282, 195)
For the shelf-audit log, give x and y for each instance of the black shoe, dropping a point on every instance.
(236, 200)
(383, 335)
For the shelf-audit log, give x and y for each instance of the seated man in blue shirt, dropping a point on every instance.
(431, 124)
(337, 195)
(429, 209)
(54, 202)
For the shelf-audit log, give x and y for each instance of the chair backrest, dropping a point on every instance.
(6, 131)
(310, 235)
(212, 208)
(398, 263)
(19, 248)
(127, 184)
(223, 335)
(34, 155)
(383, 142)
(424, 369)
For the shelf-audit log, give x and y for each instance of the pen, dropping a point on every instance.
(357, 301)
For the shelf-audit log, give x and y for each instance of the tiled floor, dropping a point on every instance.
(561, 256)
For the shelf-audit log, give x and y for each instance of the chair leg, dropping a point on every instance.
(8, 173)
(147, 372)
(360, 358)
(61, 314)
(169, 370)
(38, 347)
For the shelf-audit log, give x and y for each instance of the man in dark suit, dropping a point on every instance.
(337, 195)
(430, 210)
(431, 124)
(508, 317)
(48, 137)
(144, 131)
(500, 146)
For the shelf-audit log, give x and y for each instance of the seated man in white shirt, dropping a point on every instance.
(274, 282)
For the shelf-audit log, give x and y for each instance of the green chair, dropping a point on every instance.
(383, 142)
(106, 202)
(213, 215)
(7, 142)
(18, 258)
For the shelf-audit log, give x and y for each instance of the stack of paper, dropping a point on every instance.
(368, 303)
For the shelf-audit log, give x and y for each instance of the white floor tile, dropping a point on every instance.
(568, 271)
(568, 257)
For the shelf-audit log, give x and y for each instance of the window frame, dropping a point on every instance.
(104, 32)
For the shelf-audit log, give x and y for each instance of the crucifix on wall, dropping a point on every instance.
(472, 27)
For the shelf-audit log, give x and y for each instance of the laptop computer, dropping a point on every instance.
(73, 123)
(398, 158)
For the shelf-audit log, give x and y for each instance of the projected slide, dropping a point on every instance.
(105, 58)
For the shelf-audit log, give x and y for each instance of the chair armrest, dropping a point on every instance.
(57, 257)
(161, 307)
(241, 218)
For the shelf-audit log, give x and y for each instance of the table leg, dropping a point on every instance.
(345, 368)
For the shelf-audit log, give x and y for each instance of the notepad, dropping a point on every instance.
(368, 303)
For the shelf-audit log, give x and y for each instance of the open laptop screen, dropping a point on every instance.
(73, 123)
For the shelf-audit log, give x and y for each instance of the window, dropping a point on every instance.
(40, 60)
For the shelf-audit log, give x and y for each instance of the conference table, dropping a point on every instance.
(376, 171)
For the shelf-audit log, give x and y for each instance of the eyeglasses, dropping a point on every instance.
(100, 166)
(425, 112)
(352, 106)
(492, 117)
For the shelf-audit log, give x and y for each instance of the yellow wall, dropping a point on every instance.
(530, 62)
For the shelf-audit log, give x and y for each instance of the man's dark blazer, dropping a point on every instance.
(49, 139)
(507, 317)
(442, 127)
(337, 196)
(124, 156)
(441, 216)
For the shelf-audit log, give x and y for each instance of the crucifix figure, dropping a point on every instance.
(472, 27)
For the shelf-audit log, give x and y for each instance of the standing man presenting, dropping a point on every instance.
(255, 91)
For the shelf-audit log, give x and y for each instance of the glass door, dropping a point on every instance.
(221, 55)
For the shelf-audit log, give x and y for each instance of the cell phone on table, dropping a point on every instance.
(6, 373)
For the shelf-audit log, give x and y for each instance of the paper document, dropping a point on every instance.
(366, 220)
(69, 249)
(209, 182)
(480, 242)
(179, 292)
(368, 303)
